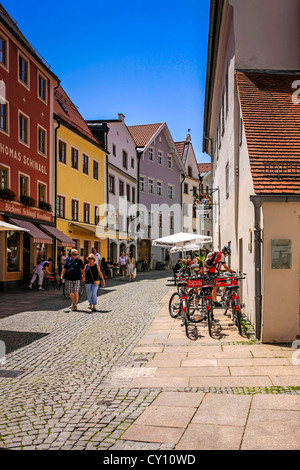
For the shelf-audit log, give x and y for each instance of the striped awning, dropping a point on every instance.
(36, 233)
(65, 241)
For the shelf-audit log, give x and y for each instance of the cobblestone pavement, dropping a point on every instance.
(71, 391)
(101, 380)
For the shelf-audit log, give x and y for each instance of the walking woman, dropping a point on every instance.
(131, 268)
(92, 274)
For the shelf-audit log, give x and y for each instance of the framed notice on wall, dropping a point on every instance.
(281, 253)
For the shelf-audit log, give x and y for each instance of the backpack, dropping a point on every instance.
(209, 261)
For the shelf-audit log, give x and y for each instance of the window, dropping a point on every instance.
(151, 185)
(121, 188)
(159, 157)
(142, 183)
(97, 215)
(13, 251)
(186, 210)
(85, 164)
(160, 219)
(62, 152)
(42, 88)
(190, 171)
(3, 178)
(171, 221)
(132, 162)
(111, 182)
(74, 209)
(4, 117)
(114, 150)
(169, 161)
(74, 158)
(60, 206)
(95, 170)
(24, 129)
(159, 188)
(150, 154)
(133, 195)
(86, 213)
(194, 191)
(186, 188)
(227, 180)
(170, 191)
(42, 192)
(3, 51)
(23, 70)
(125, 160)
(150, 218)
(24, 185)
(128, 192)
(42, 145)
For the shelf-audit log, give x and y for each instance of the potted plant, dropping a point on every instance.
(45, 206)
(27, 201)
(7, 195)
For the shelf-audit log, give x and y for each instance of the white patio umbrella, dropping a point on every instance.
(180, 240)
(4, 226)
(176, 249)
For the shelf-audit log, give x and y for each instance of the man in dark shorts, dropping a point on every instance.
(73, 268)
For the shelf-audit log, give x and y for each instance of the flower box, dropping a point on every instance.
(45, 206)
(7, 195)
(27, 201)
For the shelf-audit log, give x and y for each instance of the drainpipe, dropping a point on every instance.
(257, 202)
(181, 200)
(55, 184)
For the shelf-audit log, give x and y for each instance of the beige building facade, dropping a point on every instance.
(250, 130)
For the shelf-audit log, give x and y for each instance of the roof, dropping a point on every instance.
(204, 167)
(180, 148)
(12, 26)
(272, 127)
(142, 134)
(65, 109)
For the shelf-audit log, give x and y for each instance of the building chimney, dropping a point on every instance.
(188, 137)
(121, 117)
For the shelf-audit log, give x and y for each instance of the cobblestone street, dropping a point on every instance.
(127, 378)
(71, 392)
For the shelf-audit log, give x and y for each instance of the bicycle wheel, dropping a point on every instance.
(237, 317)
(66, 291)
(174, 305)
(185, 315)
(81, 289)
(199, 314)
(209, 318)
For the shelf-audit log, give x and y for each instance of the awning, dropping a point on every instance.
(4, 226)
(65, 241)
(37, 234)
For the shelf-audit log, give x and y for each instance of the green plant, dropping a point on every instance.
(7, 195)
(27, 201)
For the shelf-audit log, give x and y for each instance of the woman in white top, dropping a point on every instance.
(130, 268)
(122, 264)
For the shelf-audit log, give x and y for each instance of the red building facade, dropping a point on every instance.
(26, 152)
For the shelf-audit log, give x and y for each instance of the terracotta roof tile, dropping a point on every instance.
(180, 148)
(272, 127)
(204, 167)
(142, 134)
(68, 112)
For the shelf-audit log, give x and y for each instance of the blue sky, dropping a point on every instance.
(145, 60)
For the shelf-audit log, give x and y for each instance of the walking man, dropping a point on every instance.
(73, 268)
(98, 257)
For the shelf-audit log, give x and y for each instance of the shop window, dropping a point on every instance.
(13, 251)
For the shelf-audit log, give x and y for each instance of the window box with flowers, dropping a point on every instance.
(27, 201)
(7, 195)
(45, 206)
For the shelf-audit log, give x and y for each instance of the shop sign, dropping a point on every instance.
(30, 212)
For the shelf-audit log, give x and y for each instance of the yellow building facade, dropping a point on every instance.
(80, 180)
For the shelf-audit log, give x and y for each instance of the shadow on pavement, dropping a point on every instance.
(18, 339)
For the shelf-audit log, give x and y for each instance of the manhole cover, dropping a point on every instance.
(105, 402)
(141, 360)
(11, 374)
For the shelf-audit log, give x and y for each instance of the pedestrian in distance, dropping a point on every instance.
(73, 269)
(122, 264)
(91, 276)
(97, 255)
(39, 271)
(131, 273)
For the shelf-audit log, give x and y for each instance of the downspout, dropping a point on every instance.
(181, 200)
(257, 202)
(55, 185)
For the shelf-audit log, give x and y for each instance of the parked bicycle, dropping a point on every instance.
(230, 300)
